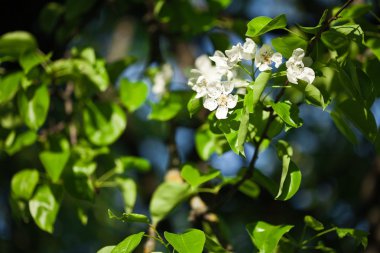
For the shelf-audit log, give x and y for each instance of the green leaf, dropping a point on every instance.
(290, 176)
(129, 217)
(133, 94)
(266, 236)
(167, 108)
(44, 207)
(16, 43)
(15, 142)
(24, 182)
(129, 243)
(265, 182)
(288, 113)
(250, 188)
(243, 131)
(315, 29)
(9, 86)
(258, 88)
(334, 40)
(34, 105)
(344, 127)
(213, 246)
(358, 235)
(361, 117)
(79, 185)
(166, 197)
(103, 123)
(194, 105)
(125, 163)
(30, 59)
(313, 223)
(190, 242)
(207, 143)
(261, 25)
(286, 45)
(353, 11)
(106, 249)
(312, 94)
(54, 161)
(194, 177)
(128, 189)
(374, 45)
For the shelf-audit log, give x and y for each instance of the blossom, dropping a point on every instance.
(222, 64)
(296, 68)
(204, 75)
(161, 79)
(266, 57)
(219, 98)
(239, 52)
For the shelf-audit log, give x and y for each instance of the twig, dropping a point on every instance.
(325, 26)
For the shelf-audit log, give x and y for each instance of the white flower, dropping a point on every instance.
(265, 58)
(249, 49)
(204, 75)
(219, 98)
(222, 65)
(235, 54)
(296, 68)
(161, 79)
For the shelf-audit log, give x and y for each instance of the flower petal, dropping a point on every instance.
(221, 112)
(210, 104)
(277, 59)
(231, 101)
(307, 75)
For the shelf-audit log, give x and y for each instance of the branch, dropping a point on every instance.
(326, 25)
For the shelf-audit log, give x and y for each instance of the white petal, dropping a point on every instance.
(228, 87)
(234, 54)
(249, 49)
(221, 112)
(210, 104)
(277, 59)
(298, 54)
(203, 63)
(307, 75)
(264, 67)
(232, 101)
(291, 76)
(214, 91)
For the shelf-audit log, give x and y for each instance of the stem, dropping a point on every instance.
(326, 26)
(106, 176)
(318, 235)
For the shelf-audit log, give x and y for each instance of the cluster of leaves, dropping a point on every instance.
(89, 116)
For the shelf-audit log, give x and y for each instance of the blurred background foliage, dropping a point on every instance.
(341, 181)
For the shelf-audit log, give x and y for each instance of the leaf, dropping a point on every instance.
(312, 94)
(374, 45)
(106, 249)
(125, 163)
(250, 188)
(344, 127)
(261, 25)
(353, 11)
(17, 141)
(129, 217)
(194, 105)
(266, 236)
(258, 88)
(133, 94)
(315, 29)
(265, 182)
(286, 45)
(16, 43)
(54, 161)
(291, 175)
(9, 86)
(288, 113)
(361, 117)
(30, 59)
(34, 105)
(190, 242)
(103, 123)
(129, 243)
(79, 186)
(313, 223)
(24, 182)
(166, 197)
(213, 246)
(359, 235)
(194, 177)
(243, 131)
(168, 107)
(44, 208)
(207, 143)
(128, 189)
(334, 40)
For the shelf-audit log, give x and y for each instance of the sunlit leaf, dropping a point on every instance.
(133, 94)
(261, 25)
(24, 182)
(195, 178)
(189, 242)
(313, 223)
(128, 244)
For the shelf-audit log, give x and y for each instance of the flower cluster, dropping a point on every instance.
(215, 78)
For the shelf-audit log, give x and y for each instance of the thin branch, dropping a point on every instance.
(326, 25)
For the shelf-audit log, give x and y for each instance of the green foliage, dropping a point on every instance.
(24, 182)
(189, 242)
(261, 25)
(194, 177)
(266, 236)
(133, 95)
(128, 244)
